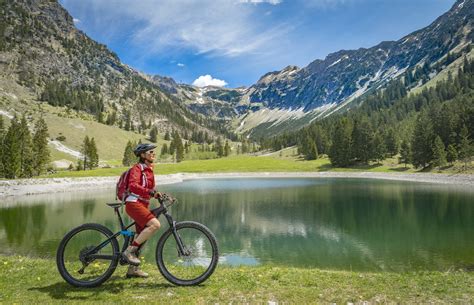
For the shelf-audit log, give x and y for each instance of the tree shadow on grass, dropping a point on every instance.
(325, 167)
(365, 166)
(62, 290)
(399, 169)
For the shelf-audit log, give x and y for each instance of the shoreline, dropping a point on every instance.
(22, 187)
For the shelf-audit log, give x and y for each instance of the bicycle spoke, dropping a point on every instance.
(81, 261)
(200, 255)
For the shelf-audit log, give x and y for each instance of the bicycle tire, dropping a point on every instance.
(60, 258)
(168, 236)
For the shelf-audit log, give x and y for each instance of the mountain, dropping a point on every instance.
(217, 102)
(348, 74)
(44, 59)
(293, 97)
(45, 56)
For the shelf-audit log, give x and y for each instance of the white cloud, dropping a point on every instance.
(223, 28)
(180, 65)
(207, 80)
(76, 21)
(274, 2)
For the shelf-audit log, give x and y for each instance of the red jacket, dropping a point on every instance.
(136, 185)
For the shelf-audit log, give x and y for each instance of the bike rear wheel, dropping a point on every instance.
(78, 264)
(199, 261)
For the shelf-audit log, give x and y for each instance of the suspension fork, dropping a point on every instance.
(179, 242)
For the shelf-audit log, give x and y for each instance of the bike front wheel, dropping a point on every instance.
(197, 261)
(87, 255)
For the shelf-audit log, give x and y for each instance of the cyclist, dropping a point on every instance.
(141, 186)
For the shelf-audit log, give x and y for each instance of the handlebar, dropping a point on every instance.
(167, 200)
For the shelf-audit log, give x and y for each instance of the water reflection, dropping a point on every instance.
(326, 223)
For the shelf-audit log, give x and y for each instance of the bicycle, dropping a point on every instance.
(186, 254)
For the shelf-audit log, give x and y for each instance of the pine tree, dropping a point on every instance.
(378, 148)
(167, 136)
(464, 148)
(313, 151)
(26, 149)
(244, 146)
(439, 153)
(226, 148)
(2, 136)
(128, 122)
(80, 165)
(391, 142)
(219, 148)
(93, 155)
(153, 134)
(452, 154)
(41, 154)
(340, 152)
(361, 140)
(179, 148)
(164, 149)
(405, 153)
(111, 118)
(85, 150)
(100, 117)
(422, 140)
(128, 155)
(11, 150)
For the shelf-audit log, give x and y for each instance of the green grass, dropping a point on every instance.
(255, 164)
(27, 280)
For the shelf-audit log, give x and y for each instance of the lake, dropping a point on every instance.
(327, 223)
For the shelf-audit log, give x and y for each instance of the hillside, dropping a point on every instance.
(45, 60)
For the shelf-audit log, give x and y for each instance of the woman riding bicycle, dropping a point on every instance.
(141, 187)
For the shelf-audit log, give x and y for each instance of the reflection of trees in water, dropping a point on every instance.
(36, 228)
(38, 222)
(340, 223)
(88, 208)
(14, 221)
(23, 223)
(362, 223)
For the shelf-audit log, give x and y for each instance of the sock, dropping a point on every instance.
(135, 244)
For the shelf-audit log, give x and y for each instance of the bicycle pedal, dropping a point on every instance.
(122, 262)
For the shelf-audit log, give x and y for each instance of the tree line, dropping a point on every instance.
(430, 128)
(23, 154)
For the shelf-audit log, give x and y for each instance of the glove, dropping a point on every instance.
(155, 194)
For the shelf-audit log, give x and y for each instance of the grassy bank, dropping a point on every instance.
(252, 164)
(26, 280)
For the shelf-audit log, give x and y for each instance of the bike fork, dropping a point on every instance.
(181, 249)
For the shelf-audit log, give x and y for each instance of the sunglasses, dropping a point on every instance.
(150, 152)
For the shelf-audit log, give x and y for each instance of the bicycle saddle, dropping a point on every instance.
(114, 204)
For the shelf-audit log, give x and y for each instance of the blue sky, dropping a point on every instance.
(235, 42)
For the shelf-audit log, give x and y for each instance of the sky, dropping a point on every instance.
(233, 43)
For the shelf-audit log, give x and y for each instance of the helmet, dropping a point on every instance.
(141, 148)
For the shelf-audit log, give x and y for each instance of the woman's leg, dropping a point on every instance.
(151, 227)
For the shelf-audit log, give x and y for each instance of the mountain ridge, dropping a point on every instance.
(332, 84)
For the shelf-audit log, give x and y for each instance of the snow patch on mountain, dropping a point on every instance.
(274, 116)
(338, 61)
(6, 113)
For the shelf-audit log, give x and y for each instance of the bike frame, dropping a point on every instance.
(128, 234)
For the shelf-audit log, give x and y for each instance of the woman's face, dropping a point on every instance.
(149, 156)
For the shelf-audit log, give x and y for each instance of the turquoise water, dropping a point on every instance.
(346, 224)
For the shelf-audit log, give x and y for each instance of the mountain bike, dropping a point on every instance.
(186, 253)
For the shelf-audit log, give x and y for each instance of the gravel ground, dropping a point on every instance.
(22, 187)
